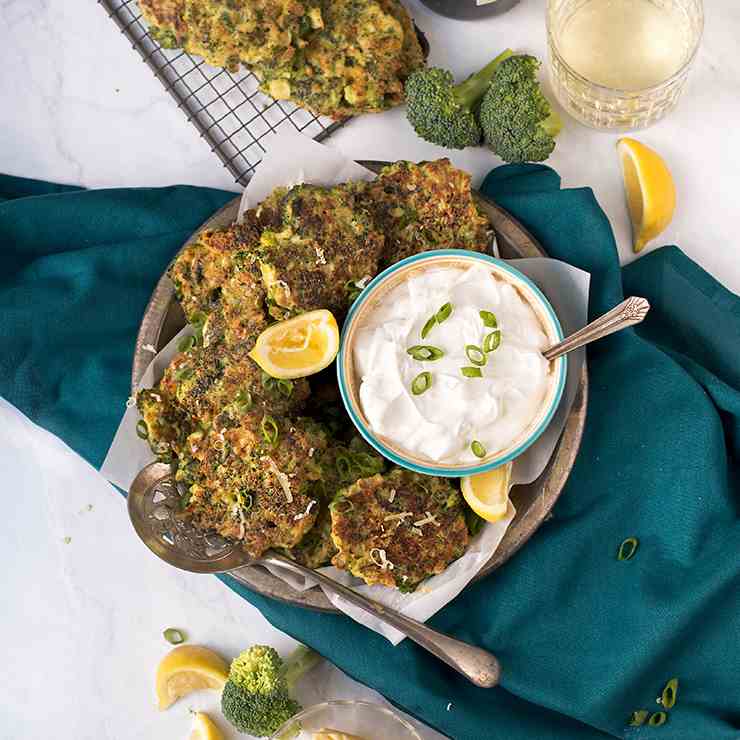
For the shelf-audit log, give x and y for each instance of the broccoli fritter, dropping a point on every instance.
(165, 425)
(334, 58)
(426, 206)
(398, 529)
(217, 380)
(258, 482)
(324, 240)
(201, 269)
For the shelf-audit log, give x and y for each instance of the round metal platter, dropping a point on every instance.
(163, 318)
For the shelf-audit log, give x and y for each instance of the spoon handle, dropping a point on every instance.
(476, 664)
(628, 313)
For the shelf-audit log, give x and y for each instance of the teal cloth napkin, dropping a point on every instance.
(583, 638)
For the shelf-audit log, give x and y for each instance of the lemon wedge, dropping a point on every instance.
(298, 347)
(487, 494)
(650, 190)
(189, 668)
(204, 728)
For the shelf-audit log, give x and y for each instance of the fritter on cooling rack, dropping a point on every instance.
(426, 206)
(398, 529)
(335, 58)
(323, 241)
(209, 381)
(257, 482)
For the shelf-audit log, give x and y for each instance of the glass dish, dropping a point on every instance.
(368, 721)
(605, 107)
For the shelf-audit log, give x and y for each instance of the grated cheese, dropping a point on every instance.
(417, 531)
(311, 451)
(320, 258)
(282, 479)
(400, 516)
(428, 519)
(391, 495)
(298, 517)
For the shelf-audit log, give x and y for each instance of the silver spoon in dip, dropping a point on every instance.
(628, 313)
(154, 510)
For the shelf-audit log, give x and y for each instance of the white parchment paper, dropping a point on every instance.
(294, 159)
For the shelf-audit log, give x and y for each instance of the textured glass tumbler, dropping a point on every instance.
(605, 107)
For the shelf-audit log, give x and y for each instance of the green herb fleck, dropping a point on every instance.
(174, 636)
(657, 719)
(67, 540)
(492, 341)
(270, 430)
(186, 343)
(443, 313)
(628, 548)
(489, 319)
(637, 718)
(670, 694)
(471, 372)
(142, 430)
(475, 354)
(428, 327)
(477, 448)
(425, 352)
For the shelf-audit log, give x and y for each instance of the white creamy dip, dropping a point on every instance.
(441, 423)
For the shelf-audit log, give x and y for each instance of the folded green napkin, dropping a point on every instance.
(583, 638)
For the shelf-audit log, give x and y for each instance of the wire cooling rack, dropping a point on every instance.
(227, 108)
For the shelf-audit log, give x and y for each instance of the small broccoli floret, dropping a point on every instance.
(256, 698)
(518, 121)
(444, 113)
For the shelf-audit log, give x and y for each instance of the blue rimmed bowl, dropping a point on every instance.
(373, 296)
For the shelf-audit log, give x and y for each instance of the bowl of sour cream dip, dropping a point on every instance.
(440, 364)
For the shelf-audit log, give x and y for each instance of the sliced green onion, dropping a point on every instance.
(173, 636)
(425, 352)
(637, 719)
(185, 499)
(670, 693)
(268, 381)
(657, 719)
(421, 383)
(183, 373)
(489, 319)
(471, 372)
(186, 343)
(476, 355)
(270, 430)
(492, 341)
(428, 327)
(443, 313)
(628, 548)
(244, 400)
(247, 505)
(334, 506)
(165, 457)
(343, 466)
(198, 321)
(477, 448)
(142, 430)
(285, 387)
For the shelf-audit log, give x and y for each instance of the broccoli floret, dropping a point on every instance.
(518, 121)
(444, 113)
(257, 696)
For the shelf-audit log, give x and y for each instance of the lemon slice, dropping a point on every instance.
(650, 190)
(189, 668)
(298, 347)
(204, 728)
(487, 494)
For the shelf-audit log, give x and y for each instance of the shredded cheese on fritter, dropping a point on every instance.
(298, 517)
(282, 479)
(362, 282)
(320, 258)
(417, 531)
(400, 516)
(391, 495)
(377, 555)
(311, 451)
(428, 519)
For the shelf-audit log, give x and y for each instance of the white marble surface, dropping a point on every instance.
(81, 622)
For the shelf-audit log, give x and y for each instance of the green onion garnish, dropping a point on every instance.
(477, 448)
(670, 693)
(471, 372)
(270, 430)
(186, 343)
(475, 355)
(248, 502)
(492, 341)
(421, 383)
(628, 548)
(173, 636)
(183, 373)
(637, 719)
(198, 321)
(142, 430)
(443, 313)
(488, 318)
(425, 352)
(185, 499)
(657, 719)
(244, 400)
(343, 466)
(165, 457)
(285, 387)
(428, 327)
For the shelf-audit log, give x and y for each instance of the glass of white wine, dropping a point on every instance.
(621, 64)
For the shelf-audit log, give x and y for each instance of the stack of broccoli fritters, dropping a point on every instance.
(333, 57)
(253, 466)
